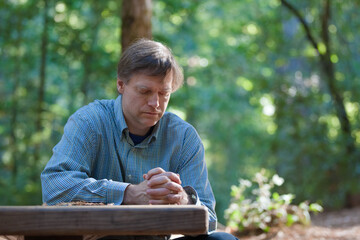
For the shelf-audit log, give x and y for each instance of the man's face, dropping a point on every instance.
(144, 100)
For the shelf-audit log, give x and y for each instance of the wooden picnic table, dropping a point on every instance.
(76, 221)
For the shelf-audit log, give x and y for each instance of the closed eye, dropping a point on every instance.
(144, 91)
(165, 94)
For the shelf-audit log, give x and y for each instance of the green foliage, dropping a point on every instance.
(258, 207)
(262, 99)
(253, 88)
(82, 52)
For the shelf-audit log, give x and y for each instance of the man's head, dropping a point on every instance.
(149, 58)
(147, 75)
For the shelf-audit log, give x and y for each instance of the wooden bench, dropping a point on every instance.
(72, 222)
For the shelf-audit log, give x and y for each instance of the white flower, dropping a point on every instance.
(277, 180)
(260, 178)
(264, 202)
(245, 182)
(287, 198)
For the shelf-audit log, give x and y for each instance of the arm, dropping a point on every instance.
(66, 177)
(193, 172)
(167, 188)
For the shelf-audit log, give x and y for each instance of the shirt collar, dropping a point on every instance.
(120, 120)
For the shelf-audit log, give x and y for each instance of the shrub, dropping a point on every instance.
(254, 207)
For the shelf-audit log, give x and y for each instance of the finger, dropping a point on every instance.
(175, 177)
(164, 182)
(158, 180)
(158, 202)
(154, 171)
(161, 202)
(170, 175)
(163, 191)
(169, 199)
(159, 192)
(160, 172)
(174, 198)
(174, 187)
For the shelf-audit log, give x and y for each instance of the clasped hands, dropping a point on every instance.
(158, 187)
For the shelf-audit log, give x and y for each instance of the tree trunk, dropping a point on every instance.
(136, 21)
(14, 107)
(328, 70)
(42, 74)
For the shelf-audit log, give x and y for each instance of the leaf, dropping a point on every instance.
(314, 207)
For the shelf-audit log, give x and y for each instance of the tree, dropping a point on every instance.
(257, 90)
(343, 172)
(136, 21)
(42, 78)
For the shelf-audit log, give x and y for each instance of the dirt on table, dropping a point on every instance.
(333, 225)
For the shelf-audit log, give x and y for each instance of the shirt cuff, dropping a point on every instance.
(115, 192)
(195, 200)
(192, 195)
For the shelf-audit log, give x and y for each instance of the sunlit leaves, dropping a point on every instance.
(253, 85)
(258, 207)
(244, 83)
(322, 48)
(71, 35)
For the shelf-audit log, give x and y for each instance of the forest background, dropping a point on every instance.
(268, 84)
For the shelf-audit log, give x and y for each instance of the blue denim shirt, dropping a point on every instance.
(96, 159)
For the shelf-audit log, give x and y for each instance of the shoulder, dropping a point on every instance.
(95, 113)
(176, 126)
(172, 120)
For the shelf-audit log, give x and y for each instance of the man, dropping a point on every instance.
(129, 150)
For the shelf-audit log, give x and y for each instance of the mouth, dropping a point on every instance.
(152, 113)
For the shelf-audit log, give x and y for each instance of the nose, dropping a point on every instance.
(154, 101)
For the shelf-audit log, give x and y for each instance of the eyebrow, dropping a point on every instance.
(143, 87)
(169, 89)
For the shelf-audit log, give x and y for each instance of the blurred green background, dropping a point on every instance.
(267, 85)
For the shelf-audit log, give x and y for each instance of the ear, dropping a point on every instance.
(120, 86)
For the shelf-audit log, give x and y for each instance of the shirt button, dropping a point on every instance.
(129, 176)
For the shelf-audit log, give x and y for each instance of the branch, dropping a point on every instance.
(324, 25)
(303, 23)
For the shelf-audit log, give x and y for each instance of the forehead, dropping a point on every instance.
(143, 80)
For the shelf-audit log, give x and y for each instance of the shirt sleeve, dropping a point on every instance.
(193, 173)
(66, 176)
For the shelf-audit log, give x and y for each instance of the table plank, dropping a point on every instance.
(103, 220)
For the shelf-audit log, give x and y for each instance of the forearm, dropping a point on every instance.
(69, 186)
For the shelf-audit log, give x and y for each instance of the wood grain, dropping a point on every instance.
(107, 220)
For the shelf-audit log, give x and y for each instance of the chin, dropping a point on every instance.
(150, 123)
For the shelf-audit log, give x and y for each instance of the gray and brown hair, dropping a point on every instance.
(150, 58)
